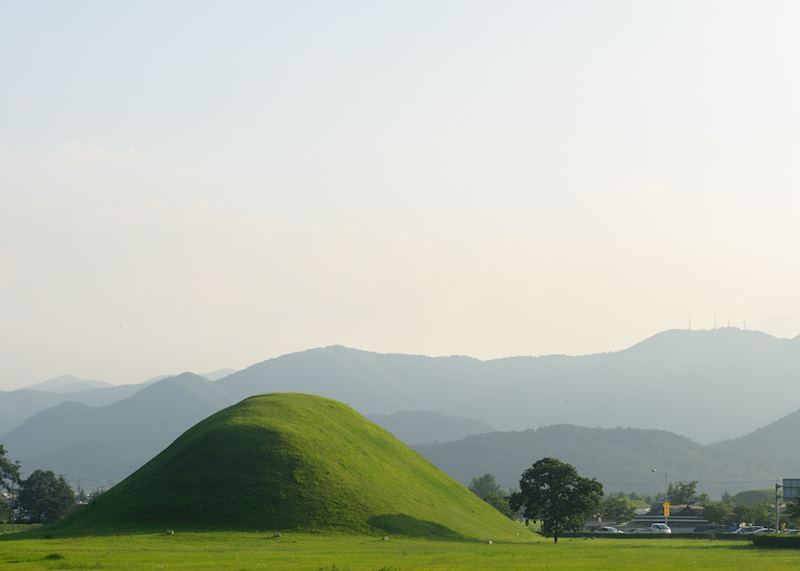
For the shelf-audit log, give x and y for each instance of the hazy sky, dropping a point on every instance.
(196, 185)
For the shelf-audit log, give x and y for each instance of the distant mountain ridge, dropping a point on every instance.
(67, 384)
(666, 382)
(621, 458)
(20, 404)
(425, 426)
(136, 428)
(777, 440)
(707, 385)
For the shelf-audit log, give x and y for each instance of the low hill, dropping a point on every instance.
(621, 458)
(777, 440)
(424, 427)
(19, 405)
(292, 462)
(753, 497)
(73, 438)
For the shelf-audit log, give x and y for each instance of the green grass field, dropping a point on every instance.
(238, 550)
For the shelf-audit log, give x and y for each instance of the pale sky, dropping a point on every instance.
(196, 185)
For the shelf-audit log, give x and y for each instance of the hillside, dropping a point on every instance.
(423, 427)
(19, 405)
(621, 458)
(777, 440)
(73, 438)
(292, 462)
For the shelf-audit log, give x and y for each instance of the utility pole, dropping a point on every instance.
(777, 508)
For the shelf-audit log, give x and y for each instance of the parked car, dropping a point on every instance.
(711, 528)
(607, 529)
(751, 530)
(659, 528)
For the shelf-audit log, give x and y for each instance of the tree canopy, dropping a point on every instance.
(682, 492)
(487, 488)
(45, 497)
(617, 509)
(552, 492)
(9, 471)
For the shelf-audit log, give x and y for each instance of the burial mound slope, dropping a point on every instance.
(293, 462)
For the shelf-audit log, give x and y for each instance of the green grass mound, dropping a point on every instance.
(292, 462)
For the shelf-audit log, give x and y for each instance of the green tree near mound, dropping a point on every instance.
(45, 497)
(487, 489)
(793, 510)
(682, 492)
(617, 509)
(9, 477)
(718, 512)
(9, 471)
(552, 492)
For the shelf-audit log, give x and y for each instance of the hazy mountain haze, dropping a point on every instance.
(488, 179)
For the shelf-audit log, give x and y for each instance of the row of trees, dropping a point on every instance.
(552, 492)
(42, 497)
(616, 507)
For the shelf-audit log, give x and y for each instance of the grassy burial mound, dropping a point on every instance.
(292, 462)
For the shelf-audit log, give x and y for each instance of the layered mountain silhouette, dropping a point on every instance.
(67, 384)
(425, 426)
(774, 443)
(19, 405)
(621, 458)
(706, 385)
(75, 439)
(672, 381)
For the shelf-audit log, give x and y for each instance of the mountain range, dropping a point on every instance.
(623, 459)
(709, 386)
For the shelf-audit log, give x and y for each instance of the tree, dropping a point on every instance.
(44, 498)
(9, 477)
(718, 512)
(487, 489)
(485, 486)
(5, 511)
(756, 514)
(552, 492)
(617, 509)
(682, 492)
(793, 509)
(9, 472)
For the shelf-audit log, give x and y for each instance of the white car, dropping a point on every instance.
(659, 528)
(607, 529)
(751, 530)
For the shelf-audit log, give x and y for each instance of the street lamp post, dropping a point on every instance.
(666, 492)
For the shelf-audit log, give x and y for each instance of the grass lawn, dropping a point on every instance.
(231, 550)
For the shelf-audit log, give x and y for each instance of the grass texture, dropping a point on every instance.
(292, 462)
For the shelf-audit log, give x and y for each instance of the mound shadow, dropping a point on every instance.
(409, 526)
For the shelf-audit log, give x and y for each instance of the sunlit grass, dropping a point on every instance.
(232, 550)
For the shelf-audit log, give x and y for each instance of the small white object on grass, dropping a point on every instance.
(490, 542)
